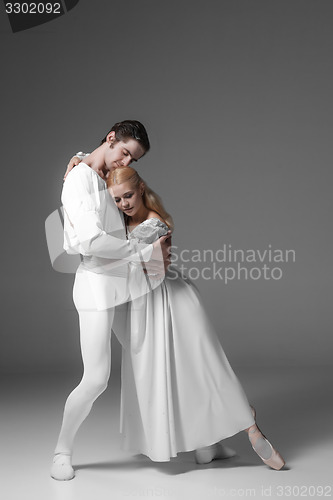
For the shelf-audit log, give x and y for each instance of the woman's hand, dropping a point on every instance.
(72, 163)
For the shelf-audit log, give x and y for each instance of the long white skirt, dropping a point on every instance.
(179, 392)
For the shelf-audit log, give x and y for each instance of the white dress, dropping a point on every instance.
(179, 392)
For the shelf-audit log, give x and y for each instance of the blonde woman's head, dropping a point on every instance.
(130, 191)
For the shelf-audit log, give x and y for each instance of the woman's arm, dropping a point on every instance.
(75, 160)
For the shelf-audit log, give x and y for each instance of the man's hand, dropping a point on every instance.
(72, 163)
(160, 258)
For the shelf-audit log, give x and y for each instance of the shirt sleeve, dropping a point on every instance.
(83, 201)
(81, 155)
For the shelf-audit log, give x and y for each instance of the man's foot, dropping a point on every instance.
(62, 469)
(213, 452)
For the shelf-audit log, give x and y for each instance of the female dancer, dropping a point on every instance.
(179, 392)
(93, 227)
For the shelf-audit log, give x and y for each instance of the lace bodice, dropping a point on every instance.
(148, 231)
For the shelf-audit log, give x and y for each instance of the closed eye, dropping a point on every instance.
(127, 153)
(127, 196)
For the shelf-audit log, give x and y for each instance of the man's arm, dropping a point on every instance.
(82, 201)
(160, 258)
(157, 256)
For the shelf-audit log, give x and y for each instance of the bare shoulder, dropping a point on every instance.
(154, 215)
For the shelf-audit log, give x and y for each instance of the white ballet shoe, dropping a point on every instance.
(62, 469)
(217, 451)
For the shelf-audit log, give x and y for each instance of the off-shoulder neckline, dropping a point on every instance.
(147, 220)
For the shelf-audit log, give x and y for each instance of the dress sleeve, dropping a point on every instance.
(83, 201)
(149, 231)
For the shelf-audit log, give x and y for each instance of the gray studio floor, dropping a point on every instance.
(293, 409)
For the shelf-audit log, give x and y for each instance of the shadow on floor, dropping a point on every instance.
(177, 466)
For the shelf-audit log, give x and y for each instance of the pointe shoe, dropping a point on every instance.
(62, 469)
(213, 452)
(263, 448)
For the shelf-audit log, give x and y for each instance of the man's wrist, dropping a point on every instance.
(146, 252)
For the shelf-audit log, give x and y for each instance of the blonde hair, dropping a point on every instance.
(150, 199)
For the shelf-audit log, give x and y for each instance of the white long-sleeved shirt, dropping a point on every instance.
(93, 225)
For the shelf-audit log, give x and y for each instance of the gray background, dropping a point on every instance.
(236, 97)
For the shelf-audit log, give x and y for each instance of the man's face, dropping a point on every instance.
(122, 153)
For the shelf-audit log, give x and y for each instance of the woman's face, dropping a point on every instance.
(127, 198)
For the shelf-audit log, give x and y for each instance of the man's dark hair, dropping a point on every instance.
(130, 129)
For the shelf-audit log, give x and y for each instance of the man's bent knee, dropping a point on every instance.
(94, 386)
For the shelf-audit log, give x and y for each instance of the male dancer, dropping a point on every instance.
(94, 228)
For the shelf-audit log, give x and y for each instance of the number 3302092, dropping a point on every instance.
(33, 8)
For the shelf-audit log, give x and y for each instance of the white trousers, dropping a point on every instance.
(95, 340)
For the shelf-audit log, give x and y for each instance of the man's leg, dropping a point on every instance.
(95, 335)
